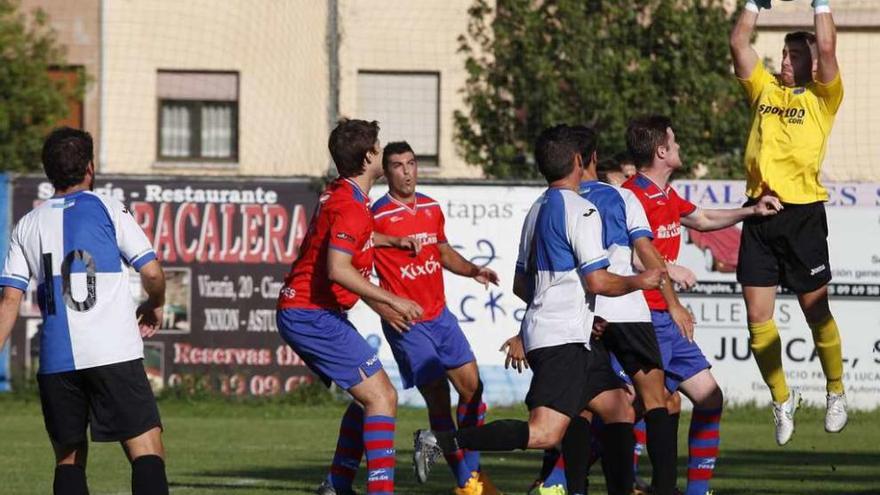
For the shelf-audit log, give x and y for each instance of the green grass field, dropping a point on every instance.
(216, 447)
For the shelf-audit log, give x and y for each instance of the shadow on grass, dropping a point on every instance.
(506, 470)
(741, 472)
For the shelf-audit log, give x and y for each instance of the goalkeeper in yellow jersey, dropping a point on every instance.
(792, 117)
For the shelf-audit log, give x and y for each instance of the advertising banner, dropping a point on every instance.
(484, 223)
(226, 246)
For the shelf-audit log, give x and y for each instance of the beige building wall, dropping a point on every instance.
(76, 24)
(278, 48)
(407, 36)
(853, 150)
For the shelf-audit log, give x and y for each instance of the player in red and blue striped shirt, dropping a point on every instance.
(329, 277)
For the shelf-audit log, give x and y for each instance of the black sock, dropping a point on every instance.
(675, 419)
(576, 451)
(661, 450)
(549, 461)
(70, 479)
(148, 476)
(502, 435)
(618, 442)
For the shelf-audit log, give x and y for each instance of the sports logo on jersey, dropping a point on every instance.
(799, 91)
(345, 237)
(792, 115)
(669, 231)
(413, 271)
(395, 219)
(425, 238)
(590, 212)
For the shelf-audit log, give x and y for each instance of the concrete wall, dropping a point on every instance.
(278, 47)
(408, 35)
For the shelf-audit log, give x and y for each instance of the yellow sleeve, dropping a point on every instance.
(830, 94)
(754, 84)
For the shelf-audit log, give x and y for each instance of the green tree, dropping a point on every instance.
(30, 102)
(532, 64)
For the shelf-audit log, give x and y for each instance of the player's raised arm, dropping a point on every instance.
(826, 42)
(745, 58)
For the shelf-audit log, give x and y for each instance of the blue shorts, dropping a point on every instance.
(329, 344)
(429, 349)
(681, 359)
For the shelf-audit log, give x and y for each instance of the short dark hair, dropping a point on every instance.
(588, 141)
(644, 135)
(801, 37)
(66, 156)
(349, 144)
(555, 150)
(395, 148)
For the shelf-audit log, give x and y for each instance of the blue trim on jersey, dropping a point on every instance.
(357, 193)
(425, 197)
(343, 250)
(639, 233)
(14, 281)
(381, 202)
(612, 209)
(56, 350)
(88, 226)
(593, 266)
(139, 263)
(553, 251)
(642, 181)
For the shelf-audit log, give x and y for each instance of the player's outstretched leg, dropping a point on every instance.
(826, 337)
(349, 450)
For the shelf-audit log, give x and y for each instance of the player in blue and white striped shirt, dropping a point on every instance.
(78, 246)
(562, 266)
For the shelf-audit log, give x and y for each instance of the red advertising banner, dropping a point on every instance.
(226, 245)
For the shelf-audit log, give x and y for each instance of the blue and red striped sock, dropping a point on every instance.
(641, 441)
(472, 413)
(703, 441)
(379, 443)
(456, 461)
(557, 475)
(349, 448)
